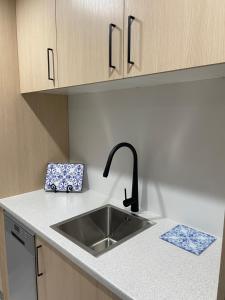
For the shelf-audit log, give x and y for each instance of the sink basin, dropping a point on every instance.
(100, 230)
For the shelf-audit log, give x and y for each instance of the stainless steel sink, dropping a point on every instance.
(102, 229)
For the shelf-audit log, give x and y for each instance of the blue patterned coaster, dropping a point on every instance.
(188, 239)
(62, 177)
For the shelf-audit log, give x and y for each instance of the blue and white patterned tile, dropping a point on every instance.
(63, 175)
(189, 239)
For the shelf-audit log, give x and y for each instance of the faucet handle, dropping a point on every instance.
(129, 201)
(125, 193)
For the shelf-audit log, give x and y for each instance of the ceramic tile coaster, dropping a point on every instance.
(62, 177)
(188, 239)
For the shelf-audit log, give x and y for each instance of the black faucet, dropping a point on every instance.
(133, 201)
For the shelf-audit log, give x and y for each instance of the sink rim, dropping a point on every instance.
(148, 224)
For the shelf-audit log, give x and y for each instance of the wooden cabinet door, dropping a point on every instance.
(173, 34)
(36, 34)
(61, 279)
(83, 40)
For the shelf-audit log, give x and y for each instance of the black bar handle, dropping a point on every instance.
(50, 50)
(130, 21)
(111, 27)
(37, 262)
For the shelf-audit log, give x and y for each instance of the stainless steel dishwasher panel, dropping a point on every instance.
(20, 249)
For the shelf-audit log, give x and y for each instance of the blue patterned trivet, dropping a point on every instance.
(188, 239)
(62, 177)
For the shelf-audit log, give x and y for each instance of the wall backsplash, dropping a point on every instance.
(179, 133)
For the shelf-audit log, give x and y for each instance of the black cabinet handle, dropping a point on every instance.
(111, 27)
(130, 21)
(37, 262)
(50, 50)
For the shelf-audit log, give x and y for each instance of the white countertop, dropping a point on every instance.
(142, 268)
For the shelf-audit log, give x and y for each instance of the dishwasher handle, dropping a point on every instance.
(18, 238)
(39, 274)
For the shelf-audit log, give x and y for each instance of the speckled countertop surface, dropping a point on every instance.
(142, 268)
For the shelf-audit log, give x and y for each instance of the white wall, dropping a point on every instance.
(179, 133)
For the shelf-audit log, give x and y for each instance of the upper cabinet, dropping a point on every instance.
(162, 35)
(89, 41)
(36, 34)
(66, 43)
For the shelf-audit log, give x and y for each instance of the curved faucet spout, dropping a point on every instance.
(133, 201)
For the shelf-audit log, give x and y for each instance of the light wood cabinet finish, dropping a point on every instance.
(166, 36)
(36, 32)
(176, 34)
(33, 127)
(61, 279)
(83, 40)
(34, 131)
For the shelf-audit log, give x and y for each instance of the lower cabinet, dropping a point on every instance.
(59, 278)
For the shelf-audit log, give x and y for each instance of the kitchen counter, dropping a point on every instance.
(142, 268)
